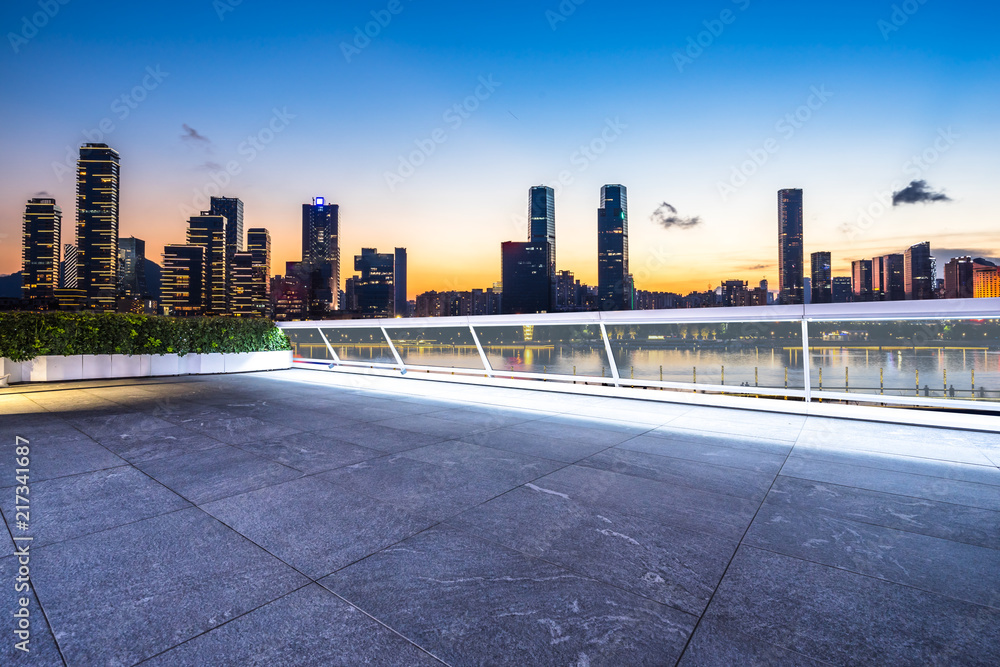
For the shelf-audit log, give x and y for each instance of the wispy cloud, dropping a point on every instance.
(191, 134)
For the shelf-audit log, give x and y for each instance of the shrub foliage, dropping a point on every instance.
(24, 336)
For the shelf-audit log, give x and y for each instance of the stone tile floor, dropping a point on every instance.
(300, 517)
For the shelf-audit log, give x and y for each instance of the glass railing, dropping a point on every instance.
(936, 353)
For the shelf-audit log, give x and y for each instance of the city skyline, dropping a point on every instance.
(850, 130)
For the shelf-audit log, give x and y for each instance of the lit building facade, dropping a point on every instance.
(918, 272)
(790, 248)
(526, 282)
(321, 254)
(183, 292)
(209, 232)
(374, 289)
(40, 240)
(97, 185)
(614, 284)
(822, 277)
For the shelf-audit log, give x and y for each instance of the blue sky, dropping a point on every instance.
(604, 75)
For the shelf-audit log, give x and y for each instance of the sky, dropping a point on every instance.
(428, 123)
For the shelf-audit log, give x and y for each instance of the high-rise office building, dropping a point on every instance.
(232, 209)
(259, 245)
(209, 232)
(878, 274)
(399, 301)
(842, 292)
(243, 286)
(526, 283)
(542, 213)
(861, 279)
(614, 284)
(40, 239)
(958, 278)
(132, 269)
(918, 272)
(893, 284)
(374, 289)
(321, 254)
(985, 281)
(67, 269)
(790, 248)
(184, 278)
(97, 184)
(822, 277)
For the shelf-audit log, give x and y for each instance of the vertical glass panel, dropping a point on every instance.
(953, 359)
(554, 349)
(749, 354)
(308, 345)
(447, 347)
(365, 344)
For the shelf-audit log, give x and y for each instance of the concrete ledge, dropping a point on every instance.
(108, 366)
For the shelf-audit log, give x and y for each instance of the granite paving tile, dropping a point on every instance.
(707, 477)
(566, 450)
(158, 444)
(385, 438)
(982, 474)
(472, 602)
(508, 467)
(845, 618)
(312, 452)
(969, 525)
(315, 526)
(213, 474)
(310, 626)
(715, 644)
(238, 430)
(676, 567)
(747, 459)
(960, 571)
(68, 507)
(58, 457)
(129, 593)
(42, 649)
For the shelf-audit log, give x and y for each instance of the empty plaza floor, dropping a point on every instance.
(300, 517)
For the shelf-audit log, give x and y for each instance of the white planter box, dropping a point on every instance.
(106, 366)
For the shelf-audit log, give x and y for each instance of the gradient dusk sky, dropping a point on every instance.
(708, 128)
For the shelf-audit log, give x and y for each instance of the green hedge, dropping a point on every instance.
(24, 336)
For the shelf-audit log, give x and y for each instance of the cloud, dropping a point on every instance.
(191, 134)
(917, 192)
(43, 193)
(944, 255)
(666, 216)
(211, 166)
(759, 267)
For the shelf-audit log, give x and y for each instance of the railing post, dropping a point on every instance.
(399, 359)
(611, 356)
(482, 352)
(333, 354)
(806, 363)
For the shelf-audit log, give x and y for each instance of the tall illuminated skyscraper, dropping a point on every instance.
(42, 226)
(614, 285)
(918, 272)
(183, 291)
(97, 183)
(132, 268)
(542, 213)
(822, 278)
(259, 246)
(790, 252)
(209, 232)
(232, 209)
(321, 254)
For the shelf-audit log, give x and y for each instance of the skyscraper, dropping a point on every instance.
(614, 285)
(878, 275)
(400, 303)
(861, 279)
(918, 277)
(42, 227)
(232, 209)
(958, 278)
(842, 292)
(183, 291)
(893, 284)
(97, 183)
(259, 245)
(790, 249)
(321, 254)
(374, 289)
(526, 284)
(242, 286)
(542, 212)
(132, 268)
(209, 232)
(822, 277)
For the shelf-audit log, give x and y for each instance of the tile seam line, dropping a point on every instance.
(736, 551)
